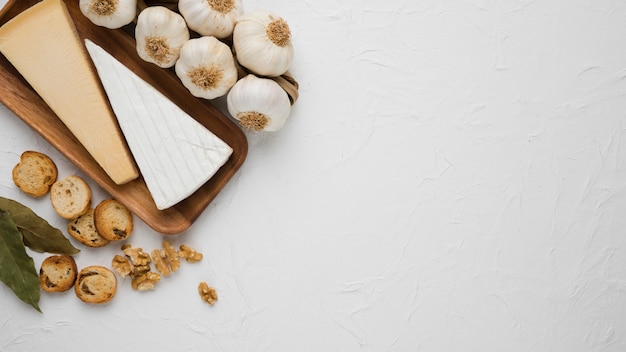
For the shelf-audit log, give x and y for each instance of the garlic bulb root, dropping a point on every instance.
(259, 104)
(160, 33)
(111, 14)
(206, 67)
(278, 32)
(253, 120)
(205, 77)
(262, 43)
(211, 17)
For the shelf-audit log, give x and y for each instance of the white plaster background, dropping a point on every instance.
(453, 178)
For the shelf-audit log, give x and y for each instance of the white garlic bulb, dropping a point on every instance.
(160, 33)
(211, 17)
(262, 43)
(258, 104)
(206, 67)
(111, 14)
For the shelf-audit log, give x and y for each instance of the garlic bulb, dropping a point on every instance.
(111, 14)
(211, 17)
(160, 33)
(262, 43)
(206, 67)
(258, 104)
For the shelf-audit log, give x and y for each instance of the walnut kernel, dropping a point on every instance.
(136, 255)
(171, 256)
(159, 258)
(145, 281)
(190, 254)
(121, 265)
(207, 293)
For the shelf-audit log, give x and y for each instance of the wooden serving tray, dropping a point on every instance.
(19, 97)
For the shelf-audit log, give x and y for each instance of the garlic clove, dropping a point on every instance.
(111, 14)
(206, 67)
(160, 33)
(262, 43)
(211, 17)
(259, 104)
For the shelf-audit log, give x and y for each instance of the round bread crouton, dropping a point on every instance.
(83, 229)
(57, 273)
(113, 220)
(35, 173)
(95, 284)
(70, 197)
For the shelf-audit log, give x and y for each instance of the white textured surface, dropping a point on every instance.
(175, 153)
(453, 178)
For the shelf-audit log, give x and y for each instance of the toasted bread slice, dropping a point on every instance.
(95, 284)
(70, 197)
(57, 273)
(35, 173)
(113, 220)
(83, 229)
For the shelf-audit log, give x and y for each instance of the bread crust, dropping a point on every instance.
(70, 197)
(83, 229)
(35, 173)
(95, 284)
(113, 220)
(57, 273)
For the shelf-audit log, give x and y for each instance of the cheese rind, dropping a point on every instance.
(175, 153)
(43, 45)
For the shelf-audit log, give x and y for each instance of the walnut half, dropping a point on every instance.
(207, 293)
(172, 256)
(139, 260)
(145, 281)
(189, 254)
(159, 258)
(136, 255)
(121, 265)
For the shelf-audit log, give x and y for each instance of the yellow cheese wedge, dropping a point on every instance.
(43, 45)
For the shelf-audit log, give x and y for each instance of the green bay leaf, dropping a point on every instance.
(38, 234)
(17, 269)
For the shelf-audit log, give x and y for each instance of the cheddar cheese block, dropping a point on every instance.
(175, 153)
(43, 45)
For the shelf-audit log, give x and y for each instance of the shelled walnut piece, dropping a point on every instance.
(145, 281)
(138, 259)
(121, 265)
(207, 293)
(166, 259)
(171, 256)
(190, 254)
(159, 258)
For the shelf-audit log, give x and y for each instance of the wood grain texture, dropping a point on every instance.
(19, 97)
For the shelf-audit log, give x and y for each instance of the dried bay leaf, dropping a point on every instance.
(17, 269)
(38, 234)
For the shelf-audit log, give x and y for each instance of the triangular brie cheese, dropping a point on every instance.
(175, 154)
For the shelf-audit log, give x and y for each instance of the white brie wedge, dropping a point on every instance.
(175, 154)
